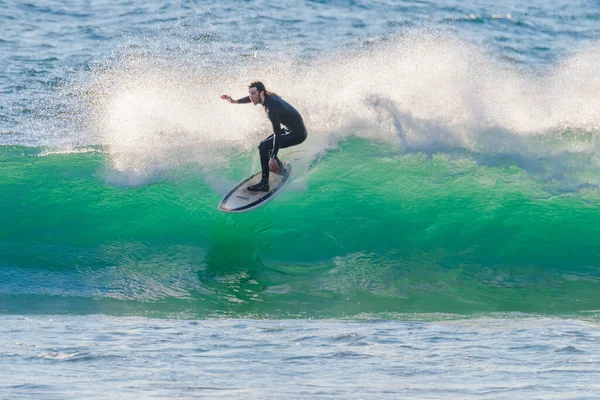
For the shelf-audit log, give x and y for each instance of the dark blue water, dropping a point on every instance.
(48, 45)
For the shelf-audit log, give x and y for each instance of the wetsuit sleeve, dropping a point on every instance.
(276, 121)
(244, 100)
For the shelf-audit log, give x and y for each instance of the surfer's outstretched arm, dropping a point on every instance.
(238, 101)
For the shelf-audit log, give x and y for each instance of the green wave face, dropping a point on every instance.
(364, 229)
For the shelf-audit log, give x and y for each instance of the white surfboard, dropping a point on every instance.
(240, 199)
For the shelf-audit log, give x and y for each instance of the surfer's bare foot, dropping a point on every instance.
(274, 165)
(279, 166)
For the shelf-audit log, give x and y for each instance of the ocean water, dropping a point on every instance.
(133, 357)
(438, 239)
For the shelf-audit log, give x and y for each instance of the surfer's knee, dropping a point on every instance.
(264, 145)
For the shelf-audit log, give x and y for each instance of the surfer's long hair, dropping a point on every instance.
(261, 88)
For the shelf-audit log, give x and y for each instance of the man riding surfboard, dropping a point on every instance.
(280, 113)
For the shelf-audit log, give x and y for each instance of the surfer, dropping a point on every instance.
(280, 113)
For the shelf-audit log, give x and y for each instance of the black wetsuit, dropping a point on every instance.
(280, 113)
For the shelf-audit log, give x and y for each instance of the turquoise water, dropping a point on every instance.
(438, 238)
(395, 233)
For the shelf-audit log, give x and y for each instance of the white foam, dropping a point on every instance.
(419, 92)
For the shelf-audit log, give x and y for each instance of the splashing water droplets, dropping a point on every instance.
(421, 92)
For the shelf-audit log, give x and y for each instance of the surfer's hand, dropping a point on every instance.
(228, 98)
(274, 165)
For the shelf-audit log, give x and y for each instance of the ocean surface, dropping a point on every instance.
(439, 237)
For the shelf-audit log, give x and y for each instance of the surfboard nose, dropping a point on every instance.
(240, 199)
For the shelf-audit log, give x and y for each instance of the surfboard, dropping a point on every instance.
(240, 199)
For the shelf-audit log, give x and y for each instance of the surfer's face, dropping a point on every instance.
(254, 96)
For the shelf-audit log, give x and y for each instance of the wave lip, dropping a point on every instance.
(367, 230)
